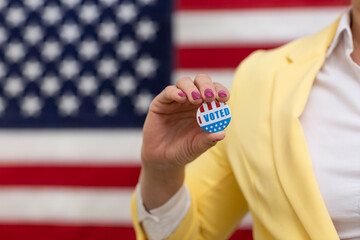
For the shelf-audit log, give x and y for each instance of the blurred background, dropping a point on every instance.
(76, 80)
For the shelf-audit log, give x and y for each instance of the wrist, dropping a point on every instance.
(159, 182)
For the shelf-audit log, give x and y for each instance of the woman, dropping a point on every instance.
(290, 156)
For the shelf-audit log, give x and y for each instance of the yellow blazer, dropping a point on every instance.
(263, 165)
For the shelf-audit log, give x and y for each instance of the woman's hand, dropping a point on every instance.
(172, 137)
(171, 133)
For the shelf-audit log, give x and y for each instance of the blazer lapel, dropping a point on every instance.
(292, 160)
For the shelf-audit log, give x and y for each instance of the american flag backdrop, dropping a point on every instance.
(76, 80)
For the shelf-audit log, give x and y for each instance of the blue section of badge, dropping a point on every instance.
(217, 126)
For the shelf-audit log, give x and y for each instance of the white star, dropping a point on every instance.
(107, 67)
(3, 70)
(146, 29)
(70, 32)
(31, 106)
(15, 16)
(68, 104)
(127, 12)
(34, 4)
(51, 50)
(106, 104)
(3, 4)
(127, 48)
(142, 102)
(51, 14)
(146, 2)
(126, 84)
(146, 66)
(32, 69)
(13, 87)
(87, 85)
(2, 105)
(3, 35)
(33, 34)
(88, 13)
(89, 49)
(70, 3)
(107, 3)
(69, 68)
(50, 86)
(108, 31)
(15, 51)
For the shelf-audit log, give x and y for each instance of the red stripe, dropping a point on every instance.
(199, 120)
(217, 104)
(209, 106)
(243, 234)
(94, 176)
(46, 232)
(214, 57)
(201, 108)
(237, 4)
(55, 232)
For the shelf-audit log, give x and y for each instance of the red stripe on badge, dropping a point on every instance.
(236, 4)
(215, 57)
(199, 120)
(209, 106)
(202, 109)
(217, 104)
(89, 176)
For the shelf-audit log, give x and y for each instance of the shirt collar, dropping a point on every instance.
(343, 33)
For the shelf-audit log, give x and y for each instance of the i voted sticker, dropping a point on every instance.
(214, 116)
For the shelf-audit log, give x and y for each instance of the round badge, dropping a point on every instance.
(213, 116)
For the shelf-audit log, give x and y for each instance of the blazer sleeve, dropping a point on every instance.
(217, 202)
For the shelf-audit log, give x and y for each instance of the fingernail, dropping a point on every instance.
(195, 95)
(181, 94)
(222, 93)
(209, 93)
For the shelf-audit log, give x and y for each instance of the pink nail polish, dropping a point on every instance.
(208, 93)
(181, 94)
(195, 95)
(222, 93)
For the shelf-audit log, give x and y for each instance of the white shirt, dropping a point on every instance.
(331, 124)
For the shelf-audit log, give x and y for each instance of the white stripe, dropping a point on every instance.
(73, 206)
(251, 25)
(83, 146)
(70, 146)
(66, 205)
(224, 77)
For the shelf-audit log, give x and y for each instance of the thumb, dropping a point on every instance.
(206, 140)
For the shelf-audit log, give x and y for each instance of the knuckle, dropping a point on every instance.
(181, 80)
(168, 88)
(217, 84)
(202, 76)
